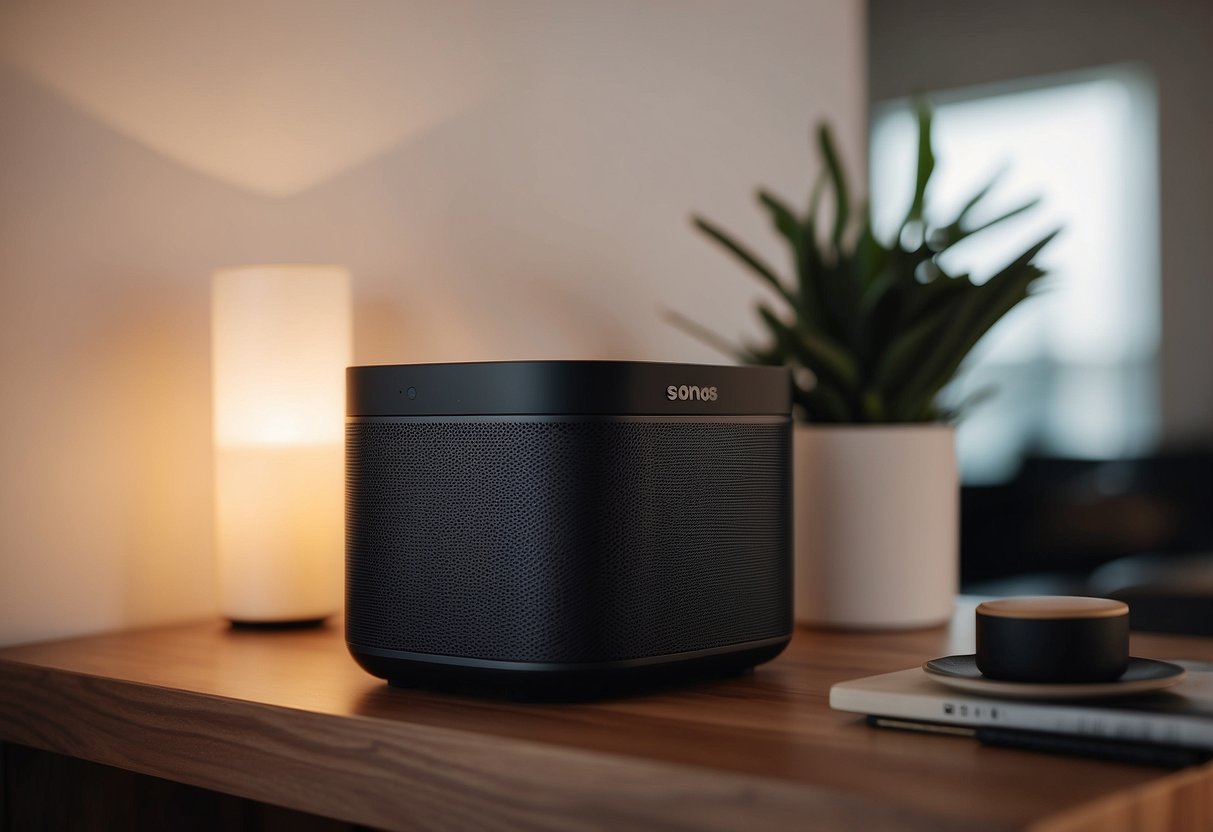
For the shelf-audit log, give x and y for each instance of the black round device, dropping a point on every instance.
(528, 523)
(1058, 639)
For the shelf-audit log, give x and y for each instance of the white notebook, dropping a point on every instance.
(1178, 716)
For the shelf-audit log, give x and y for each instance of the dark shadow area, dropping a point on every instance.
(54, 793)
(1136, 529)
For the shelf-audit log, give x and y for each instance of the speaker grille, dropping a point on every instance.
(566, 541)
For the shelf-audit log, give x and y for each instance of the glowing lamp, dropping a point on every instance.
(281, 340)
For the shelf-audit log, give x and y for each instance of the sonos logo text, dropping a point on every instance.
(690, 392)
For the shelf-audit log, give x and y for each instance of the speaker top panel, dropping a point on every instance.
(630, 388)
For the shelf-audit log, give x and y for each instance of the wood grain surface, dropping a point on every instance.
(287, 718)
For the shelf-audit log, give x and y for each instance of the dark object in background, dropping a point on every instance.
(57, 793)
(1167, 593)
(1058, 521)
(1070, 516)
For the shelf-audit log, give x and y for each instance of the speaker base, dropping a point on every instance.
(554, 681)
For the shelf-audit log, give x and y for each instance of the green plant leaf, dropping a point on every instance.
(838, 180)
(1004, 290)
(783, 218)
(933, 298)
(873, 407)
(814, 305)
(878, 327)
(871, 258)
(974, 316)
(876, 295)
(951, 234)
(818, 353)
(832, 276)
(702, 333)
(954, 413)
(889, 304)
(822, 403)
(761, 269)
(808, 301)
(815, 195)
(905, 352)
(981, 194)
(924, 168)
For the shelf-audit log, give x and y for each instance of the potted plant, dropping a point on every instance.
(873, 329)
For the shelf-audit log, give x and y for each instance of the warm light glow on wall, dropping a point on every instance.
(281, 339)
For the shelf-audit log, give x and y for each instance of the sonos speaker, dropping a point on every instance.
(566, 521)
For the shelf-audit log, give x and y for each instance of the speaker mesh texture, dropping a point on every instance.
(566, 541)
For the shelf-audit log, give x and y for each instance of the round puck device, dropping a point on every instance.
(1058, 639)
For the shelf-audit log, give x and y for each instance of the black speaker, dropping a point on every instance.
(527, 523)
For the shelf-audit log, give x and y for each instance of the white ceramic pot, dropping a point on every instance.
(876, 514)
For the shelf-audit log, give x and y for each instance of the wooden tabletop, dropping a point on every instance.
(288, 718)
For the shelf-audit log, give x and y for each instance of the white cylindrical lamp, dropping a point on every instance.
(281, 339)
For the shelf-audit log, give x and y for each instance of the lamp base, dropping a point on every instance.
(301, 624)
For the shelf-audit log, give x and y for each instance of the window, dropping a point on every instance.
(1073, 368)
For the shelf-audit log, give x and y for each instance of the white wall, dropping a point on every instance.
(505, 180)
